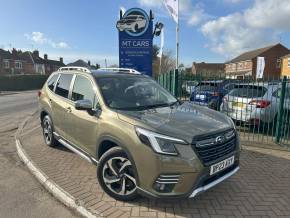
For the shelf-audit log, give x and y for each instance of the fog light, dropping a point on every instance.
(166, 183)
(163, 188)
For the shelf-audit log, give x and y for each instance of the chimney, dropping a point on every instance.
(61, 60)
(89, 63)
(14, 52)
(36, 53)
(45, 56)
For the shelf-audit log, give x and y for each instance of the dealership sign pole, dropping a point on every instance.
(173, 9)
(136, 40)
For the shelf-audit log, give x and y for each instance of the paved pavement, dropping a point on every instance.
(20, 194)
(260, 189)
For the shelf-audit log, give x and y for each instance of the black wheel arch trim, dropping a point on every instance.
(118, 143)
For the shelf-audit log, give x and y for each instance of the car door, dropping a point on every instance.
(61, 105)
(83, 125)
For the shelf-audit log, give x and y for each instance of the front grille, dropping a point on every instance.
(210, 149)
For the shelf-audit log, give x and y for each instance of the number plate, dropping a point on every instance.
(222, 165)
(201, 97)
(239, 105)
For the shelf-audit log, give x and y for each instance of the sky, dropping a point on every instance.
(210, 30)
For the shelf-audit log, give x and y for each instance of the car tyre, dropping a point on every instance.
(136, 27)
(47, 130)
(116, 175)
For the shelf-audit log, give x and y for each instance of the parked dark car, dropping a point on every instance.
(211, 93)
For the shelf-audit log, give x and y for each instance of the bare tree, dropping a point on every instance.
(167, 61)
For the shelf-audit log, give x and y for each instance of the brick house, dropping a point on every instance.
(245, 65)
(285, 65)
(45, 65)
(15, 62)
(18, 62)
(208, 69)
(52, 65)
(38, 62)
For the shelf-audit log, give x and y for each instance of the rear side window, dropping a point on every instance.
(229, 87)
(52, 81)
(63, 84)
(248, 92)
(83, 89)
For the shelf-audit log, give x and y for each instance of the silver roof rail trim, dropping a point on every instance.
(116, 69)
(81, 69)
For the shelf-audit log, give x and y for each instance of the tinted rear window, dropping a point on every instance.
(63, 85)
(248, 92)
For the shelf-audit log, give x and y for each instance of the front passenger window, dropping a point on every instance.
(83, 89)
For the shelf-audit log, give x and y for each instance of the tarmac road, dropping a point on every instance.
(20, 194)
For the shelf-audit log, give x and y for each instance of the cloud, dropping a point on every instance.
(269, 14)
(232, 1)
(150, 3)
(197, 16)
(254, 27)
(192, 14)
(39, 38)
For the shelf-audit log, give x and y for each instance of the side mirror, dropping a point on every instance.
(84, 105)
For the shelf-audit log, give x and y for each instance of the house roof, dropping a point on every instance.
(79, 63)
(252, 54)
(5, 54)
(286, 56)
(36, 58)
(54, 62)
(25, 56)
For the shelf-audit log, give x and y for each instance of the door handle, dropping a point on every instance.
(68, 110)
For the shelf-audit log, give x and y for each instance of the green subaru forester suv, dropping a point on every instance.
(141, 138)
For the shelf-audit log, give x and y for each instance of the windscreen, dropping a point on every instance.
(133, 93)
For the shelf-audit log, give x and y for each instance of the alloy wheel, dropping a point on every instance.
(118, 176)
(47, 131)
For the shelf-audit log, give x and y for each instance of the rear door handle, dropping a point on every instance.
(68, 110)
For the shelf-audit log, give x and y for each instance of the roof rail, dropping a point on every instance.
(116, 69)
(81, 69)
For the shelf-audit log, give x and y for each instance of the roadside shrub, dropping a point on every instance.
(22, 82)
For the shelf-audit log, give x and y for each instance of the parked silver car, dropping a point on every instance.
(255, 103)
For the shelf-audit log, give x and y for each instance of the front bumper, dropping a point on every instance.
(192, 183)
(213, 183)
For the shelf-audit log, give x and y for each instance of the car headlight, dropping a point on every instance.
(160, 143)
(233, 123)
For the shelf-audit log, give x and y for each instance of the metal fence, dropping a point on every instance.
(260, 108)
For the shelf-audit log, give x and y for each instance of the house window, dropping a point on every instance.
(278, 63)
(6, 64)
(18, 65)
(288, 62)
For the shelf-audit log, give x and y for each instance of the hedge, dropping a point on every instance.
(22, 82)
